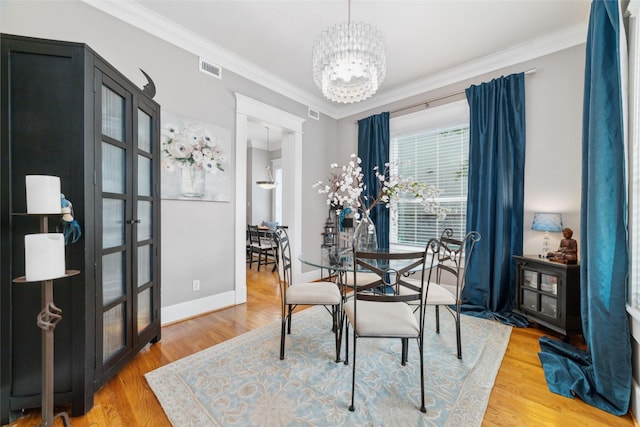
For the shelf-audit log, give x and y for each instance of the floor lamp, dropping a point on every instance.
(44, 262)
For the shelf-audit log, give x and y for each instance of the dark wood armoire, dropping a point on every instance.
(66, 112)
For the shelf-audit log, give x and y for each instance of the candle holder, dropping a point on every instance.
(44, 262)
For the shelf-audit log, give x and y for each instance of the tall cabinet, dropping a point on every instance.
(64, 111)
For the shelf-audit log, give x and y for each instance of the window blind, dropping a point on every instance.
(436, 157)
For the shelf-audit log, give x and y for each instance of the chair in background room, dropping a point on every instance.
(449, 279)
(263, 246)
(293, 295)
(374, 314)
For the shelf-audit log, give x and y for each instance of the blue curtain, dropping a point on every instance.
(602, 375)
(495, 199)
(373, 150)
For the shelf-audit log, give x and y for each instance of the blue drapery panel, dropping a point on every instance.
(495, 199)
(601, 376)
(373, 149)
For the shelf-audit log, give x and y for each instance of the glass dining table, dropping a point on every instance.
(340, 261)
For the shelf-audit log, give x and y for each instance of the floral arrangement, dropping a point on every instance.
(345, 188)
(193, 147)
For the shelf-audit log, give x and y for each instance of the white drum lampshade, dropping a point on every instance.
(43, 194)
(44, 256)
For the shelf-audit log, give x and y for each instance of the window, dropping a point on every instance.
(435, 142)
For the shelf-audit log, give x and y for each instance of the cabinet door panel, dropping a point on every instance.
(113, 169)
(145, 216)
(530, 299)
(144, 265)
(113, 114)
(113, 279)
(113, 337)
(145, 303)
(549, 306)
(145, 131)
(113, 222)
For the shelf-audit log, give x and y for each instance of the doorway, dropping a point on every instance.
(250, 110)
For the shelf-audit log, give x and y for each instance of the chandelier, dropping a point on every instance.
(349, 61)
(269, 183)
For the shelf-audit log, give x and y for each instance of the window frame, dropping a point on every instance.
(431, 119)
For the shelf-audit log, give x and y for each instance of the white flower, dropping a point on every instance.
(180, 150)
(192, 146)
(345, 188)
(168, 166)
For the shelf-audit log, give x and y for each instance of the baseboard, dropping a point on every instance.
(634, 329)
(186, 310)
(635, 400)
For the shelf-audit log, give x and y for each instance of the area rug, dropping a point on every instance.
(242, 382)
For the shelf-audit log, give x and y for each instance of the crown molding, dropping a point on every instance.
(146, 20)
(551, 43)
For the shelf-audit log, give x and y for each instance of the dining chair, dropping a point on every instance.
(296, 294)
(343, 278)
(263, 246)
(387, 314)
(449, 279)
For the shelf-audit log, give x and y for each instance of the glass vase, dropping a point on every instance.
(192, 184)
(365, 234)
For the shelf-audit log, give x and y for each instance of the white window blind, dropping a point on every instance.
(437, 151)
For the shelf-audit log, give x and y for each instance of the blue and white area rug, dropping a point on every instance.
(242, 382)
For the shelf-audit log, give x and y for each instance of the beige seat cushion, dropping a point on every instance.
(324, 293)
(383, 319)
(363, 278)
(437, 294)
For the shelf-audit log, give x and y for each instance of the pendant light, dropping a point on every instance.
(268, 184)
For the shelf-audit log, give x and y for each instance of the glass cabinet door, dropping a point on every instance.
(144, 222)
(113, 150)
(129, 300)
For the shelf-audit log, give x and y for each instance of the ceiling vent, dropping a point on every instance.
(314, 114)
(211, 69)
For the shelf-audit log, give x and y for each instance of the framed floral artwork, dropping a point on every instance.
(195, 160)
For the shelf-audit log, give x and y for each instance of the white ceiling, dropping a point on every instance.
(429, 43)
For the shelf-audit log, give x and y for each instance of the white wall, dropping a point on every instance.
(554, 130)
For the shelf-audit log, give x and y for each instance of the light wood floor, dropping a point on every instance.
(520, 396)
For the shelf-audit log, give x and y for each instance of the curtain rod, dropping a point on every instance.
(426, 103)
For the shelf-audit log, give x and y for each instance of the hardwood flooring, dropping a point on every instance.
(520, 396)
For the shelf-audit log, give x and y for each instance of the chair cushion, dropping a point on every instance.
(314, 293)
(437, 294)
(383, 319)
(363, 278)
(264, 245)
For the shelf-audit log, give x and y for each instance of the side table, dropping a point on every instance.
(548, 293)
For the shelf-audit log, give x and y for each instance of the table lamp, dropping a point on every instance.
(547, 222)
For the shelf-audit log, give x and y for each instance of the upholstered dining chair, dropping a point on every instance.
(262, 246)
(445, 290)
(296, 294)
(387, 314)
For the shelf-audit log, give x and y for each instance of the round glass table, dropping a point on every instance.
(341, 259)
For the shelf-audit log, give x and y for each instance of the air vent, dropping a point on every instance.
(314, 114)
(211, 69)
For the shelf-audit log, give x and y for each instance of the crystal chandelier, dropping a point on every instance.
(349, 61)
